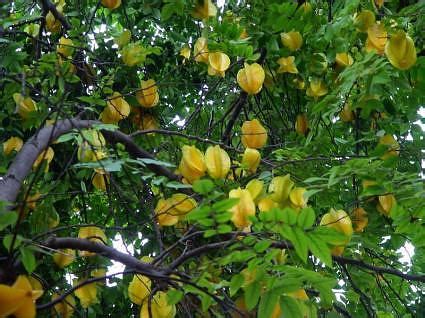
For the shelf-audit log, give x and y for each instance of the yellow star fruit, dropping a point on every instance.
(160, 308)
(251, 159)
(52, 24)
(392, 145)
(287, 65)
(19, 299)
(301, 124)
(364, 20)
(346, 114)
(24, 105)
(204, 9)
(298, 198)
(185, 52)
(359, 219)
(139, 288)
(386, 203)
(256, 189)
(91, 147)
(65, 47)
(317, 89)
(94, 234)
(243, 209)
(293, 40)
(63, 258)
(111, 4)
(400, 51)
(100, 179)
(12, 144)
(47, 155)
(376, 38)
(218, 63)
(340, 221)
(182, 204)
(133, 54)
(64, 309)
(266, 204)
(116, 109)
(254, 135)
(200, 50)
(217, 161)
(148, 95)
(343, 59)
(251, 78)
(280, 187)
(192, 165)
(87, 294)
(164, 213)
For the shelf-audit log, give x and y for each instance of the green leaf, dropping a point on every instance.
(28, 259)
(267, 304)
(177, 185)
(203, 186)
(261, 246)
(329, 235)
(150, 161)
(320, 249)
(252, 294)
(306, 218)
(300, 242)
(290, 307)
(209, 233)
(7, 241)
(236, 283)
(7, 218)
(174, 296)
(224, 205)
(224, 228)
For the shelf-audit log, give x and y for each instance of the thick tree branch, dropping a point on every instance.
(108, 252)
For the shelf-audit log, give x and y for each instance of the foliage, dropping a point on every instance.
(239, 158)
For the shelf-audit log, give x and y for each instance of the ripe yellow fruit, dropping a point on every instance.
(340, 221)
(217, 161)
(266, 204)
(287, 65)
(346, 114)
(111, 4)
(204, 9)
(52, 24)
(192, 165)
(316, 89)
(123, 39)
(386, 203)
(87, 294)
(254, 135)
(65, 47)
(47, 155)
(133, 54)
(148, 95)
(63, 258)
(200, 50)
(160, 308)
(181, 204)
(100, 179)
(293, 40)
(251, 78)
(301, 124)
(251, 159)
(65, 309)
(243, 209)
(24, 105)
(165, 214)
(91, 147)
(12, 144)
(218, 63)
(298, 198)
(359, 219)
(343, 59)
(143, 120)
(19, 299)
(185, 52)
(392, 145)
(364, 20)
(280, 187)
(376, 38)
(256, 189)
(139, 288)
(400, 51)
(116, 109)
(93, 234)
